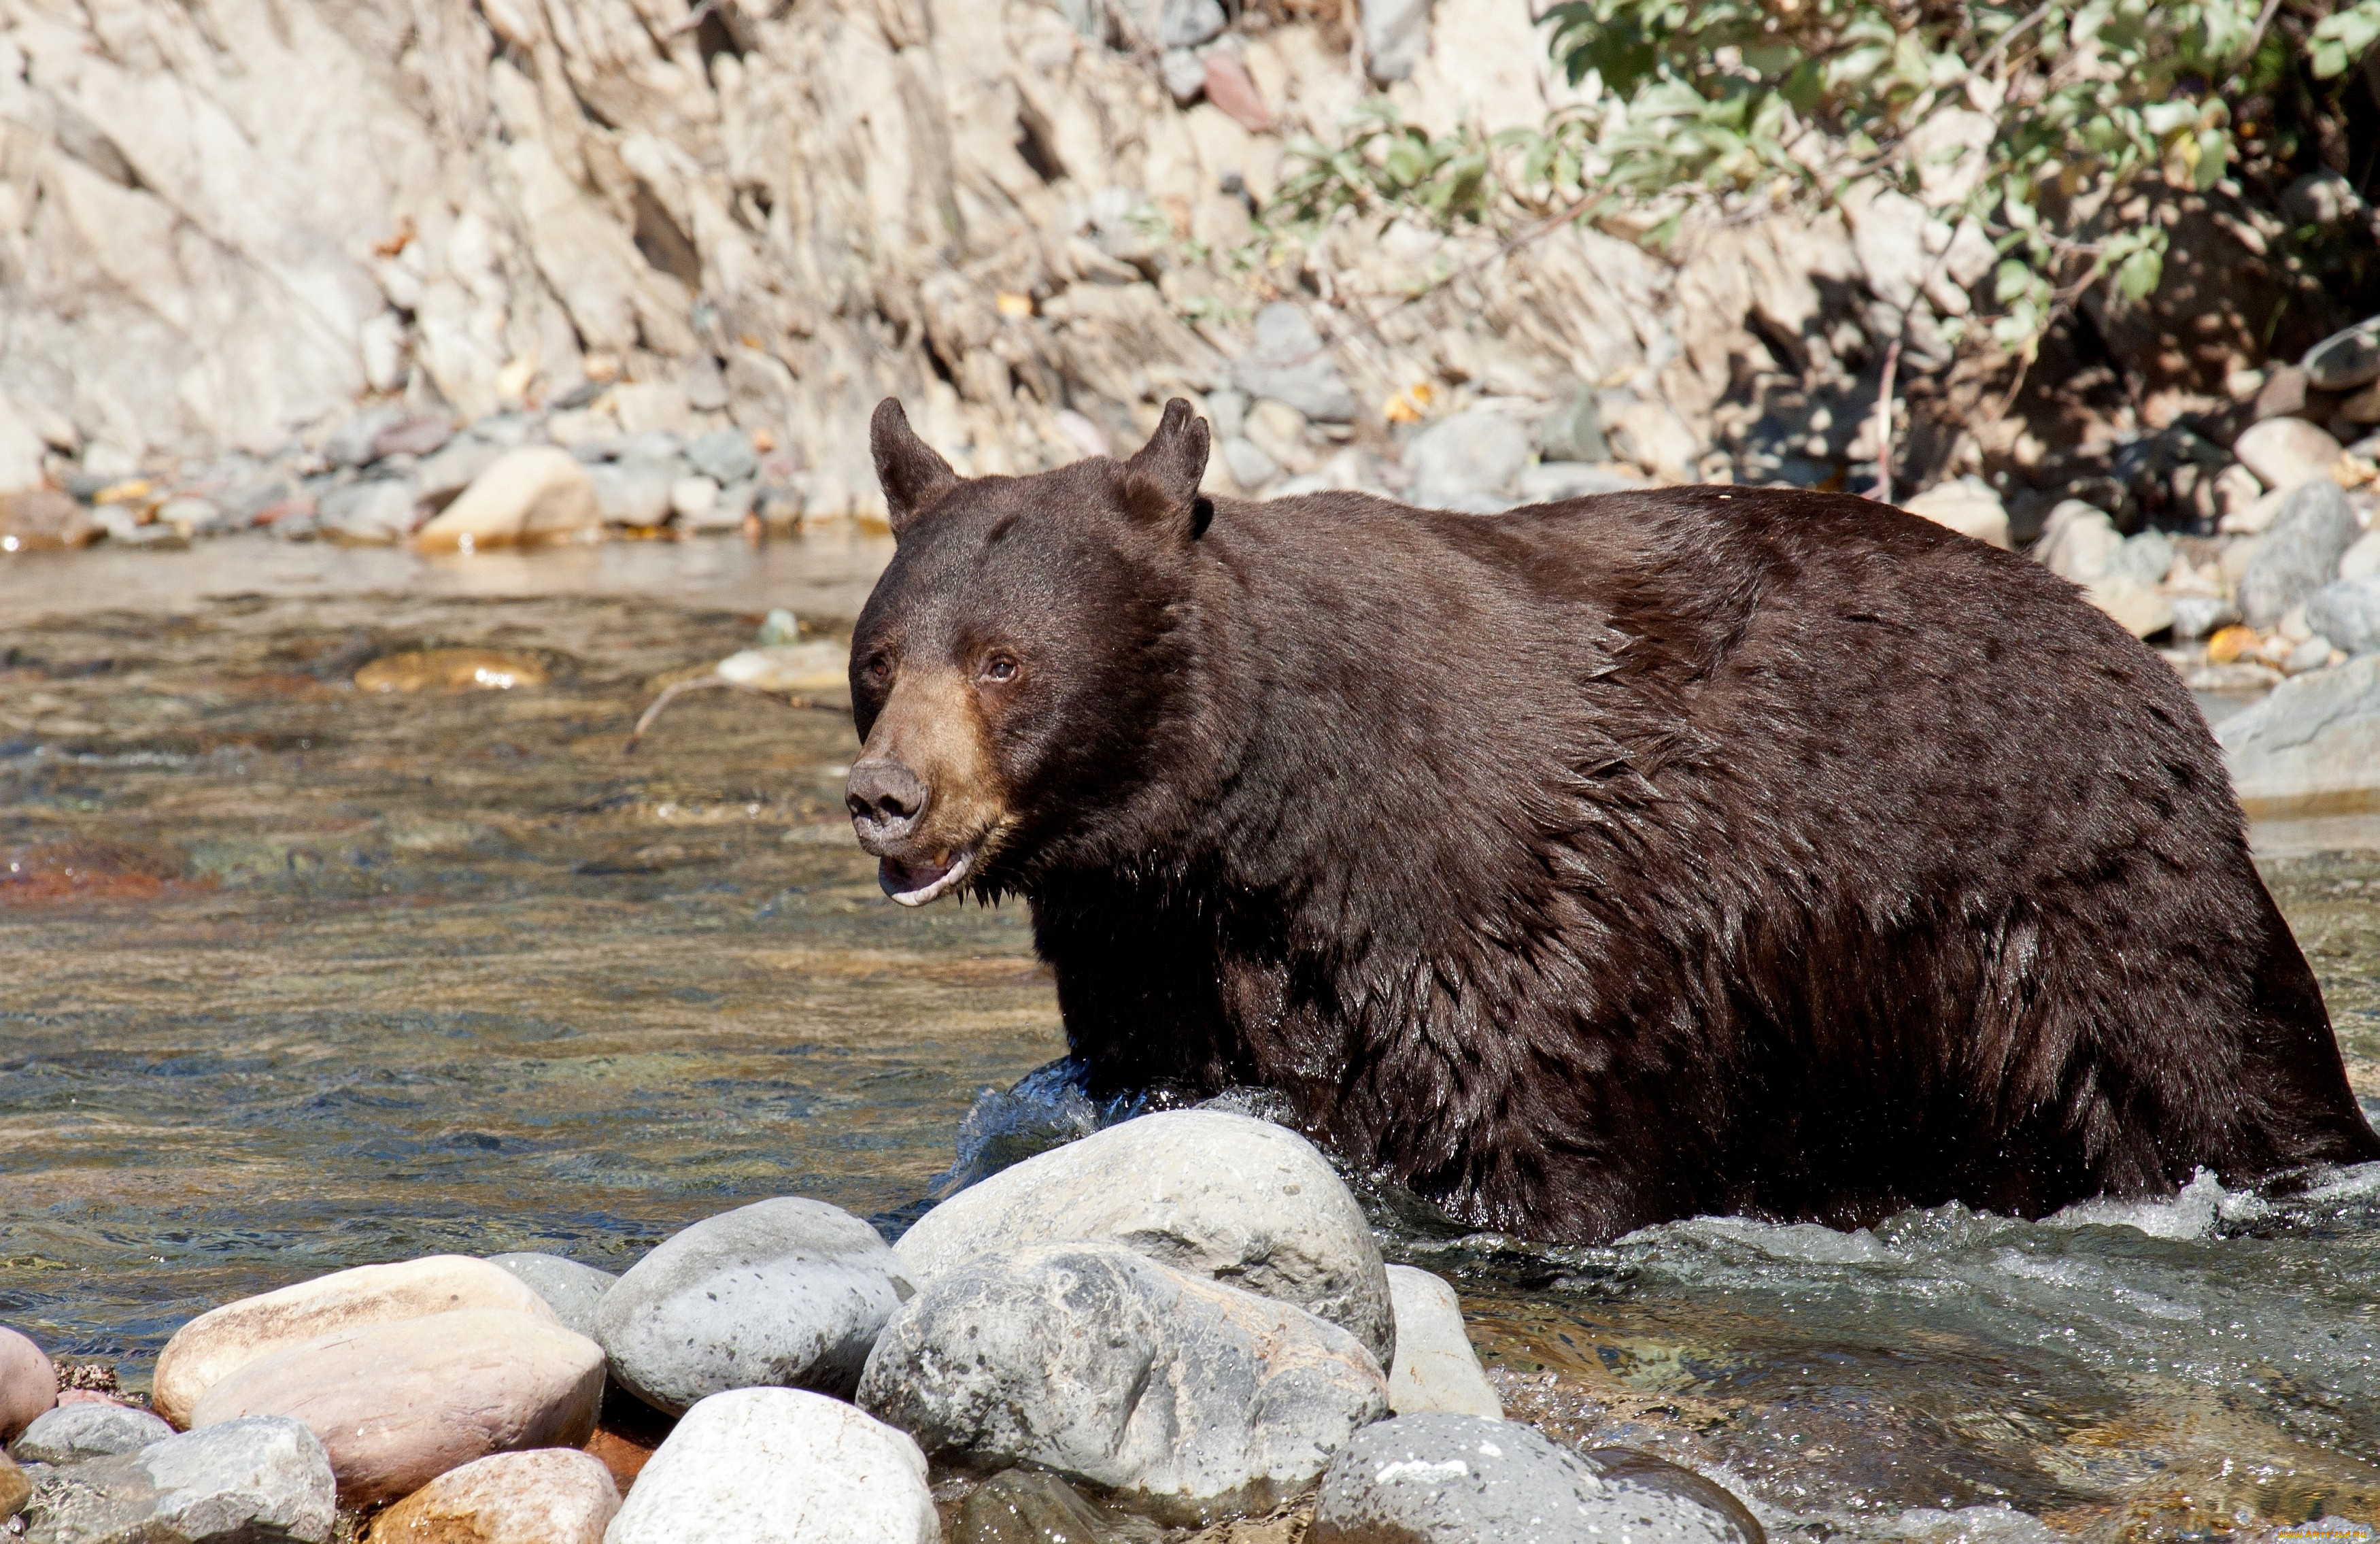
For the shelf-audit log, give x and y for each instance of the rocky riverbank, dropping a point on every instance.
(1182, 1323)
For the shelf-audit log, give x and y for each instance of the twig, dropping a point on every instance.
(1884, 413)
(2039, 13)
(704, 683)
(2257, 33)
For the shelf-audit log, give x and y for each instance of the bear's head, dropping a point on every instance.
(1022, 677)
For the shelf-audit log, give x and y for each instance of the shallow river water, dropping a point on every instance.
(296, 975)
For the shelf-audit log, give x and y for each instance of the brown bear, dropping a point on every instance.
(1599, 863)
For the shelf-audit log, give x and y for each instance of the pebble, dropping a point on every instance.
(399, 1404)
(2285, 453)
(1204, 1191)
(1249, 465)
(451, 670)
(219, 1341)
(1573, 431)
(2139, 608)
(38, 519)
(1967, 505)
(1651, 435)
(2361, 559)
(73, 1433)
(2079, 541)
(724, 455)
(1436, 1368)
(635, 492)
(546, 1496)
(1459, 459)
(570, 1289)
(1028, 1506)
(1466, 1479)
(533, 494)
(412, 437)
(375, 513)
(352, 444)
(29, 1384)
(693, 498)
(1229, 87)
(784, 1292)
(780, 1467)
(2195, 616)
(2312, 654)
(2300, 554)
(437, 478)
(1177, 1395)
(258, 1479)
(1290, 364)
(1396, 36)
(2346, 359)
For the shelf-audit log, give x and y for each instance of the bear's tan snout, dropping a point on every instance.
(886, 800)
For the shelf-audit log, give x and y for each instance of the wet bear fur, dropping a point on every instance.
(1698, 850)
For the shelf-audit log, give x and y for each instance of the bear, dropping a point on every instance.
(1698, 850)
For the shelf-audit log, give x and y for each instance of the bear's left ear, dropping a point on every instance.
(911, 473)
(1160, 481)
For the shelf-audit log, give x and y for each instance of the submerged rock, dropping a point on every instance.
(786, 1293)
(1180, 1397)
(1215, 1194)
(243, 1481)
(29, 1384)
(398, 1404)
(1435, 1369)
(1028, 1506)
(1466, 1479)
(73, 1433)
(570, 1289)
(551, 1496)
(219, 1341)
(780, 1467)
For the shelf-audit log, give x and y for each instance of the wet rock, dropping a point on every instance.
(2346, 359)
(451, 670)
(1289, 364)
(2348, 614)
(374, 513)
(1203, 1191)
(1996, 1523)
(244, 1480)
(693, 498)
(29, 1384)
(800, 668)
(1435, 1366)
(38, 519)
(1248, 464)
(2316, 739)
(73, 1433)
(570, 1289)
(1458, 459)
(2197, 615)
(550, 1496)
(534, 493)
(1551, 481)
(397, 1405)
(724, 455)
(1396, 35)
(1028, 1506)
(1574, 430)
(2300, 554)
(1180, 1397)
(1967, 505)
(219, 1341)
(786, 1293)
(635, 492)
(1465, 1479)
(780, 1467)
(2285, 453)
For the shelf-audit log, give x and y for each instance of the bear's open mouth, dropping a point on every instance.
(914, 884)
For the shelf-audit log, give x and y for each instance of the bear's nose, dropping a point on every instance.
(886, 800)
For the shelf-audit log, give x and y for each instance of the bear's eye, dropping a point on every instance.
(1000, 667)
(879, 668)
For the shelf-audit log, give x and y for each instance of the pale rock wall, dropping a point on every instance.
(225, 222)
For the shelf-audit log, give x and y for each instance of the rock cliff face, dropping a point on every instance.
(223, 223)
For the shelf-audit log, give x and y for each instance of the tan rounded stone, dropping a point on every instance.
(533, 494)
(398, 1404)
(548, 1496)
(28, 1385)
(218, 1343)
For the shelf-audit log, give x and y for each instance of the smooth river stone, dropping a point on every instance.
(779, 1293)
(550, 1496)
(1184, 1398)
(1436, 1368)
(29, 1384)
(399, 1405)
(1204, 1191)
(780, 1467)
(220, 1341)
(243, 1481)
(73, 1433)
(570, 1289)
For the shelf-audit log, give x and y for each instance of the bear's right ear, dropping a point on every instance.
(1160, 481)
(908, 470)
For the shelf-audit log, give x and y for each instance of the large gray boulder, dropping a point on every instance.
(787, 1293)
(1467, 1479)
(71, 1433)
(2300, 554)
(1204, 1191)
(778, 1466)
(1180, 1397)
(266, 1478)
(2314, 741)
(572, 1291)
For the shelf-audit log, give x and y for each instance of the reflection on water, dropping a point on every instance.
(294, 975)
